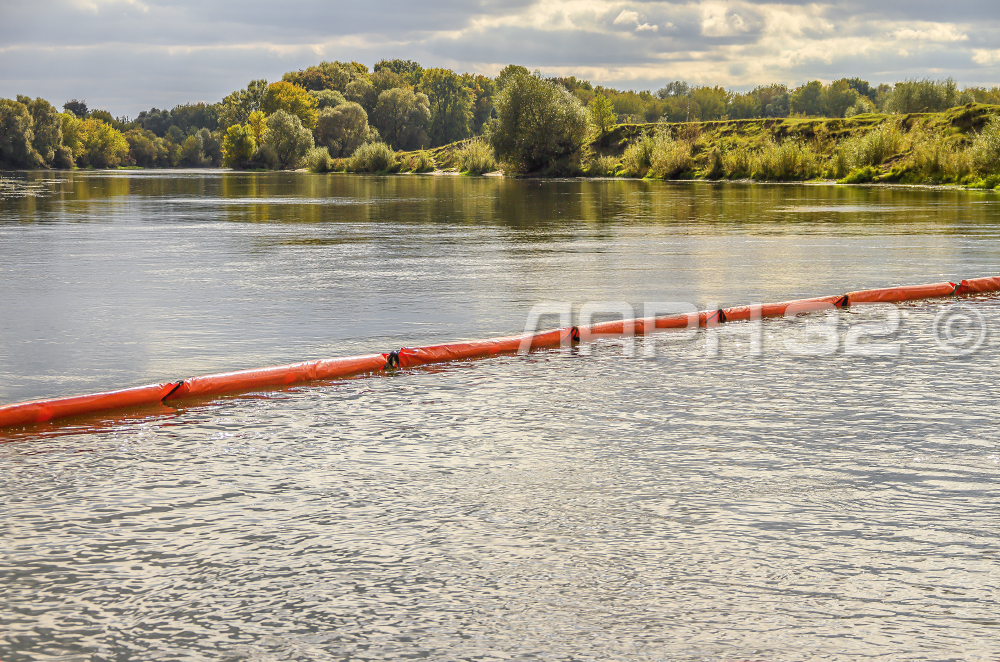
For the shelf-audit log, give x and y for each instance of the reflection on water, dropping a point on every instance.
(689, 506)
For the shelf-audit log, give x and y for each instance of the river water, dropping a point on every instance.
(744, 493)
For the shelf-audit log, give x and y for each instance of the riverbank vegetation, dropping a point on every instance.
(400, 117)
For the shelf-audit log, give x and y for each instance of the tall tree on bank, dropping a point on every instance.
(402, 117)
(537, 123)
(236, 107)
(451, 106)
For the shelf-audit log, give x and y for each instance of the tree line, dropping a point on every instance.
(338, 107)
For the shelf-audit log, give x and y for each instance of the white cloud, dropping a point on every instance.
(627, 17)
(937, 32)
(179, 50)
(986, 57)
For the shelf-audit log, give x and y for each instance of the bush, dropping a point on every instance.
(986, 147)
(476, 158)
(860, 176)
(860, 107)
(638, 157)
(989, 182)
(538, 123)
(787, 160)
(839, 167)
(738, 162)
(874, 147)
(933, 156)
(669, 157)
(603, 166)
(422, 161)
(318, 160)
(373, 157)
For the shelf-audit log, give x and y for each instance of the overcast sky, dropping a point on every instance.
(129, 55)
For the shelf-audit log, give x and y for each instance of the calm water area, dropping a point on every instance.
(720, 495)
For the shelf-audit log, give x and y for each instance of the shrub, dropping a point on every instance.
(839, 167)
(318, 160)
(638, 157)
(604, 166)
(860, 107)
(738, 162)
(874, 147)
(785, 161)
(422, 161)
(860, 176)
(476, 157)
(669, 157)
(986, 147)
(373, 157)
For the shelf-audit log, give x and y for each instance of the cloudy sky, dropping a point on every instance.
(129, 55)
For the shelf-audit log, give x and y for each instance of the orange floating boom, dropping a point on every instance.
(897, 294)
(409, 357)
(978, 286)
(282, 375)
(41, 411)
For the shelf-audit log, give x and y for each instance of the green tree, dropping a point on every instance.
(808, 99)
(146, 149)
(710, 103)
(407, 68)
(838, 97)
(451, 106)
(341, 74)
(328, 99)
(17, 136)
(343, 129)
(402, 117)
(258, 125)
(193, 152)
(287, 140)
(71, 133)
(239, 146)
(742, 106)
(291, 99)
(362, 92)
(602, 114)
(103, 145)
(773, 100)
(47, 128)
(922, 96)
(77, 107)
(199, 115)
(312, 78)
(508, 73)
(483, 90)
(236, 107)
(537, 123)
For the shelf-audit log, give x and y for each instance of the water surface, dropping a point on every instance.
(705, 503)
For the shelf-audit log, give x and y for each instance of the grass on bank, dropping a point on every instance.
(958, 146)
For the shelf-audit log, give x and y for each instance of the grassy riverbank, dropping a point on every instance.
(934, 148)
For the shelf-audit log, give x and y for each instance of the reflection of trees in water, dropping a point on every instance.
(528, 210)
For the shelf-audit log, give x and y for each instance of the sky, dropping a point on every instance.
(129, 55)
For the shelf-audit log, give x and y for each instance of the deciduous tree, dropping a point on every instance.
(287, 140)
(537, 122)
